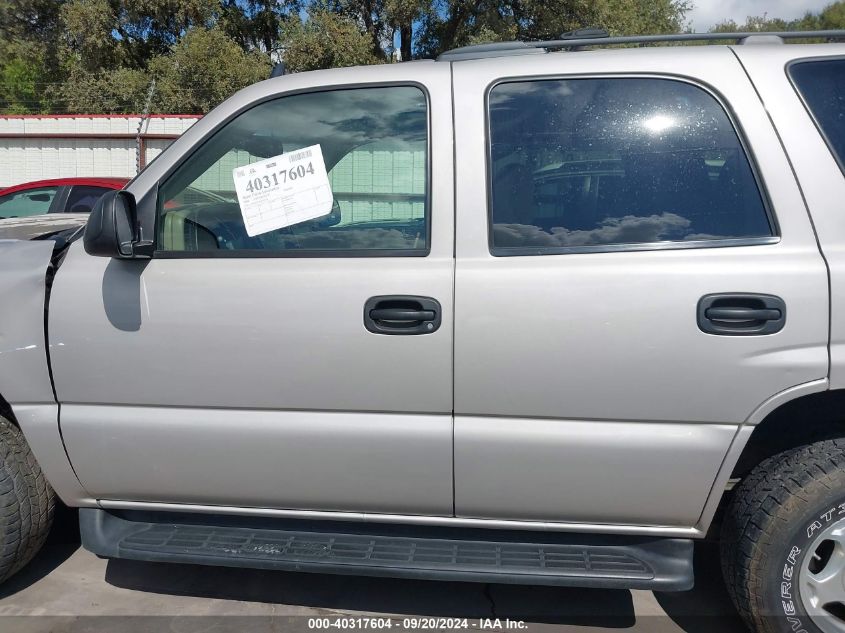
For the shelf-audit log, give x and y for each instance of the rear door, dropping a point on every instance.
(636, 274)
(302, 367)
(804, 93)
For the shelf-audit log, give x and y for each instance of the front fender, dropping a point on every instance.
(24, 371)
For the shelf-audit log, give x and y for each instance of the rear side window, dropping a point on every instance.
(593, 163)
(821, 83)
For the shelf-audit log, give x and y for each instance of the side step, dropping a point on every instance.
(474, 555)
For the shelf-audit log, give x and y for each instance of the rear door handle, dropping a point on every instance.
(402, 314)
(399, 314)
(741, 314)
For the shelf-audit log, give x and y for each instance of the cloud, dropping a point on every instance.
(345, 239)
(629, 229)
(707, 13)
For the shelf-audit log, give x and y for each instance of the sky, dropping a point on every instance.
(706, 13)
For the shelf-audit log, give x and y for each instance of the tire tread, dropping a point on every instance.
(27, 502)
(762, 504)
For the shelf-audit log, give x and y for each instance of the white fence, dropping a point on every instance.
(60, 146)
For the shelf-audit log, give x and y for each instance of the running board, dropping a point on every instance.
(474, 555)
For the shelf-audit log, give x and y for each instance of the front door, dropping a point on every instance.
(239, 366)
(636, 274)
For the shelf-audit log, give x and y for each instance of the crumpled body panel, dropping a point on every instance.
(24, 375)
(24, 372)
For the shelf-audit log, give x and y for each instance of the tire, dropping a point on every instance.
(27, 502)
(780, 531)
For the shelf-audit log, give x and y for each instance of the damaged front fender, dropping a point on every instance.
(24, 369)
(25, 381)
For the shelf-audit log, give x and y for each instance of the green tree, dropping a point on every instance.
(368, 15)
(115, 91)
(400, 16)
(29, 20)
(200, 71)
(101, 55)
(29, 63)
(761, 23)
(88, 43)
(204, 68)
(20, 86)
(256, 24)
(460, 22)
(325, 40)
(112, 33)
(831, 17)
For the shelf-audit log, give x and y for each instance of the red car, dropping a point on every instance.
(44, 207)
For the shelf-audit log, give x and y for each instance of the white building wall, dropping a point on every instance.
(39, 147)
(369, 183)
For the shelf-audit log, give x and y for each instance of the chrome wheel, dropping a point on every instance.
(822, 579)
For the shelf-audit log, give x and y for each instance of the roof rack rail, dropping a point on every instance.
(572, 41)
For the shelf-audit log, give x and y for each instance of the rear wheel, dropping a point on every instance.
(783, 542)
(26, 502)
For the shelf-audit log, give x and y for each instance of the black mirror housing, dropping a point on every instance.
(110, 231)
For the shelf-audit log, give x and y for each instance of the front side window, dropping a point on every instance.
(373, 145)
(623, 161)
(822, 85)
(26, 203)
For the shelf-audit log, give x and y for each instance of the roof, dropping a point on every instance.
(109, 182)
(577, 40)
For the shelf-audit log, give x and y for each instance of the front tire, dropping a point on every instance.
(27, 502)
(783, 542)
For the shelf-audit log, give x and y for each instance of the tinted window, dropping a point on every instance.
(593, 162)
(82, 198)
(29, 202)
(373, 142)
(822, 85)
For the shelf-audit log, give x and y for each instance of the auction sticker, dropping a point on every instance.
(284, 190)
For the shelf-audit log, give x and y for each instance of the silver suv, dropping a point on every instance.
(536, 313)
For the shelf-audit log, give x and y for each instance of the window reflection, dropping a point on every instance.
(590, 162)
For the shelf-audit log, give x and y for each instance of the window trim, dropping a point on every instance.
(518, 251)
(840, 161)
(153, 199)
(60, 200)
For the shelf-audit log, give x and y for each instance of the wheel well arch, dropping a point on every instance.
(6, 411)
(804, 420)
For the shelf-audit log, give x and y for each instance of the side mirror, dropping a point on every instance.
(110, 230)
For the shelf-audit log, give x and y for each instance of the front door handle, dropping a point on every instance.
(741, 314)
(402, 314)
